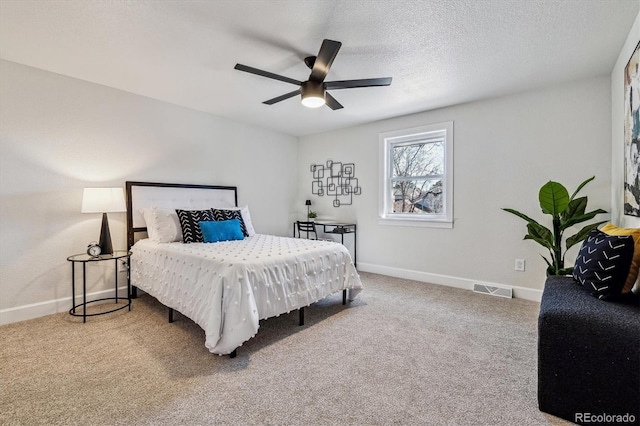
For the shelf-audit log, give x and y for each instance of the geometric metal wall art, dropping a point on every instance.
(337, 180)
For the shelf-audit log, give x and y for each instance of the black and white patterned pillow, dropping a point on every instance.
(222, 214)
(603, 264)
(191, 232)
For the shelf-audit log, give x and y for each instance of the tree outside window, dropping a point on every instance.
(417, 177)
(417, 180)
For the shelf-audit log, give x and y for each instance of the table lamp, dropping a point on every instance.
(103, 200)
(308, 204)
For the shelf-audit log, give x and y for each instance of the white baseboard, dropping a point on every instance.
(464, 283)
(36, 310)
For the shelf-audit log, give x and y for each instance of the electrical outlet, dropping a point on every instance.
(519, 264)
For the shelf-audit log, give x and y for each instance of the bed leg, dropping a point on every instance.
(134, 292)
(170, 315)
(233, 354)
(301, 316)
(344, 296)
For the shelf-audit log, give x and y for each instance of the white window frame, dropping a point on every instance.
(387, 141)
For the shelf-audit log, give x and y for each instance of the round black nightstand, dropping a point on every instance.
(84, 259)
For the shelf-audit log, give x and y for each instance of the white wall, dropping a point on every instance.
(617, 131)
(504, 150)
(59, 134)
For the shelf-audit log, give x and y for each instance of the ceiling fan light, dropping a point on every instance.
(313, 101)
(312, 94)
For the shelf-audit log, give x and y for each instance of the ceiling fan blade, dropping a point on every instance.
(326, 55)
(351, 84)
(282, 98)
(331, 102)
(267, 74)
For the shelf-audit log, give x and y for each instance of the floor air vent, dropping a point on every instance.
(493, 291)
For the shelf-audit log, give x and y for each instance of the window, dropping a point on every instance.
(416, 187)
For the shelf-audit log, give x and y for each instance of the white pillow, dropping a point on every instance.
(246, 218)
(163, 225)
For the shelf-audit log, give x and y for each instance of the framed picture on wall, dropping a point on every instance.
(632, 134)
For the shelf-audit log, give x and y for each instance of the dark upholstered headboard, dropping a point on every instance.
(141, 195)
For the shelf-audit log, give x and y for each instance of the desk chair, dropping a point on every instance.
(307, 228)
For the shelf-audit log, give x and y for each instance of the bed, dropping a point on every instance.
(226, 287)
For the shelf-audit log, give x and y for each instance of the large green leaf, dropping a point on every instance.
(521, 215)
(582, 234)
(579, 219)
(581, 186)
(554, 198)
(575, 208)
(547, 261)
(540, 235)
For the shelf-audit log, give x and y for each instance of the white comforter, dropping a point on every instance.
(227, 287)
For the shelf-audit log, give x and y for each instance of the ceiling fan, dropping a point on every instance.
(314, 90)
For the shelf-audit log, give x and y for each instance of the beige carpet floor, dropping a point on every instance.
(403, 353)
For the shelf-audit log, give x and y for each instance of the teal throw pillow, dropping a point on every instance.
(224, 230)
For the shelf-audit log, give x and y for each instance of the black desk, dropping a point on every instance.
(339, 228)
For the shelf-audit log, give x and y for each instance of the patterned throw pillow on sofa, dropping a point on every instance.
(611, 229)
(603, 264)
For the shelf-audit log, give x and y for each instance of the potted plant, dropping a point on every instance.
(565, 211)
(312, 216)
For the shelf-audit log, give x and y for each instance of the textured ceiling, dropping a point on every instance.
(439, 52)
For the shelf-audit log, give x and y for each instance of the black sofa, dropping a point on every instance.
(588, 356)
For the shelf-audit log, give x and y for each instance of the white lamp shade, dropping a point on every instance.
(103, 200)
